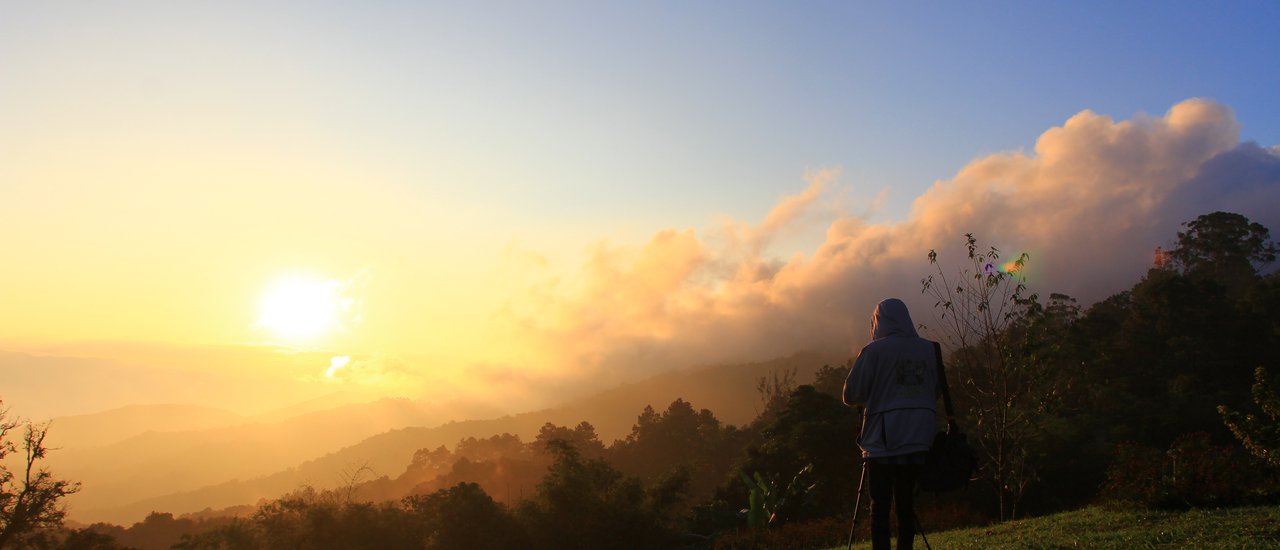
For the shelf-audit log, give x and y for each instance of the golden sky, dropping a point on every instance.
(433, 200)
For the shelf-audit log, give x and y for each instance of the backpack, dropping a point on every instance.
(951, 460)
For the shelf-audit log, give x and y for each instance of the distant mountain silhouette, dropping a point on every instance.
(186, 472)
(95, 430)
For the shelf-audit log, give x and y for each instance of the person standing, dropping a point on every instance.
(895, 380)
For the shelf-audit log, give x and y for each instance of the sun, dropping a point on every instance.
(300, 309)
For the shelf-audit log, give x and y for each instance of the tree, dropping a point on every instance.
(1261, 437)
(464, 516)
(812, 431)
(830, 380)
(88, 539)
(31, 500)
(586, 503)
(985, 316)
(582, 438)
(680, 438)
(1225, 247)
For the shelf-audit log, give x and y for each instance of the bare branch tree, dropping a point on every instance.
(979, 313)
(31, 502)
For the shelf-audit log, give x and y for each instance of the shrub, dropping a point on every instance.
(1192, 473)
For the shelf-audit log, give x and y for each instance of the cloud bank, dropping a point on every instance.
(1089, 204)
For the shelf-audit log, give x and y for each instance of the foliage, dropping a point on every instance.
(505, 467)
(1224, 247)
(989, 319)
(1192, 473)
(89, 539)
(1260, 437)
(323, 519)
(585, 503)
(812, 430)
(679, 439)
(773, 392)
(159, 530)
(830, 380)
(235, 535)
(30, 499)
(464, 516)
(582, 438)
(459, 517)
(1136, 476)
(769, 503)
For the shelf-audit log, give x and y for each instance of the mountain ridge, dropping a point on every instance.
(730, 391)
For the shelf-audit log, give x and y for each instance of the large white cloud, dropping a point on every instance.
(1090, 204)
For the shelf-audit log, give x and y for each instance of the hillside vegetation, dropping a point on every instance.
(1100, 528)
(242, 464)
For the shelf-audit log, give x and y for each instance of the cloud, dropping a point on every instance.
(335, 363)
(382, 374)
(1089, 204)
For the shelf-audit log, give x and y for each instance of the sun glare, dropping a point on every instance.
(300, 309)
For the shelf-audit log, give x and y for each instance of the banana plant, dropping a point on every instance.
(767, 503)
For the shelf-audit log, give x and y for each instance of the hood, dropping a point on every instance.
(892, 319)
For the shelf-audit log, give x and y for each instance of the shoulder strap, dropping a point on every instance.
(946, 389)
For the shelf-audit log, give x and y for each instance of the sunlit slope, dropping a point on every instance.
(729, 391)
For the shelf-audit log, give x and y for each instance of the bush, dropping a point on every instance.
(1192, 473)
(585, 503)
(463, 516)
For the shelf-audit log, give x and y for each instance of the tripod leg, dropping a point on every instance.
(857, 501)
(916, 518)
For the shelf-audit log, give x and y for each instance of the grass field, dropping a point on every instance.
(1253, 527)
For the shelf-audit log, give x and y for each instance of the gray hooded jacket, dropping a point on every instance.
(896, 377)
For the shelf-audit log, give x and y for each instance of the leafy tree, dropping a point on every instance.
(812, 430)
(326, 519)
(463, 516)
(680, 438)
(830, 380)
(586, 503)
(30, 500)
(1224, 247)
(984, 315)
(582, 438)
(507, 479)
(234, 535)
(491, 449)
(1261, 437)
(88, 539)
(1157, 361)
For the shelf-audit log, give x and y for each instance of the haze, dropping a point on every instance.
(257, 212)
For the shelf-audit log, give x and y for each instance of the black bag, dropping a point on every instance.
(951, 460)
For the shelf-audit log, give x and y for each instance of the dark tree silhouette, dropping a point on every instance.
(463, 516)
(30, 499)
(1225, 247)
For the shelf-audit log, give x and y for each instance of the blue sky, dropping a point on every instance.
(662, 113)
(162, 163)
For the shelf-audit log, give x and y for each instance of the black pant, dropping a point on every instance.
(893, 482)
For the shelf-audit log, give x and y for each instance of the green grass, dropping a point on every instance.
(1253, 527)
